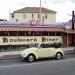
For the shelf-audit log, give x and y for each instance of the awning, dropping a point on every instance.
(23, 28)
(13, 28)
(70, 31)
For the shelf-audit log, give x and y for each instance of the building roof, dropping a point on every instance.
(34, 10)
(29, 24)
(20, 26)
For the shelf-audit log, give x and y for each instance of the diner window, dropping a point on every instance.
(58, 34)
(37, 33)
(3, 33)
(21, 33)
(51, 33)
(29, 33)
(44, 33)
(12, 33)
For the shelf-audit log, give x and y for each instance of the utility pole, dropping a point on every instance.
(73, 19)
(9, 15)
(40, 13)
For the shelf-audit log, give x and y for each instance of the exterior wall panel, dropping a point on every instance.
(51, 18)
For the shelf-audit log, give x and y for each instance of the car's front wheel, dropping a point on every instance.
(58, 56)
(31, 58)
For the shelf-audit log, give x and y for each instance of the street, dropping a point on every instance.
(65, 66)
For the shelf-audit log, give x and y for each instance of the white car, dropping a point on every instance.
(42, 51)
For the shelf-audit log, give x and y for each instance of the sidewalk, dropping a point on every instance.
(68, 50)
(10, 55)
(16, 54)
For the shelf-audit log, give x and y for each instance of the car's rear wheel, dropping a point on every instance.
(58, 56)
(31, 58)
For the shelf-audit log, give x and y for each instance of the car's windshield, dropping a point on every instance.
(44, 45)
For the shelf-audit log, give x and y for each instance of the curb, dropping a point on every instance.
(10, 57)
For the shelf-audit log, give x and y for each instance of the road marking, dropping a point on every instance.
(9, 66)
(36, 63)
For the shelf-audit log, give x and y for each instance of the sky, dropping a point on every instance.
(63, 8)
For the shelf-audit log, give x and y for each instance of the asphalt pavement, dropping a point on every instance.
(51, 67)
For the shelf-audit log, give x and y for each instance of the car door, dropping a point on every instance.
(43, 51)
(52, 52)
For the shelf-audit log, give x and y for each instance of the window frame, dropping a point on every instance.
(46, 16)
(24, 16)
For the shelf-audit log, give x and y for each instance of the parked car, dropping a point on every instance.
(41, 51)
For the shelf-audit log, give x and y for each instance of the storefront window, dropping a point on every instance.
(58, 34)
(51, 33)
(21, 33)
(44, 33)
(3, 33)
(29, 33)
(37, 33)
(12, 33)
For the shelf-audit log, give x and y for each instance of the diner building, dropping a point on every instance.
(20, 33)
